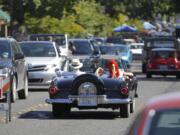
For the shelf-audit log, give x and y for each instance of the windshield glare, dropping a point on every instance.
(38, 50)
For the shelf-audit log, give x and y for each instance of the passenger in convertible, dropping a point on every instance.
(114, 70)
(75, 65)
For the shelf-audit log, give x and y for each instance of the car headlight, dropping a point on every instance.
(48, 67)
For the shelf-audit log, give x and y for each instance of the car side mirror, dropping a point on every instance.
(19, 56)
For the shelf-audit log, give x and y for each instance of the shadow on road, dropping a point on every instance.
(43, 115)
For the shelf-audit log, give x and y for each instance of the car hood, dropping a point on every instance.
(136, 51)
(123, 54)
(42, 60)
(5, 63)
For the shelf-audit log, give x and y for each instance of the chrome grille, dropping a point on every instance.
(37, 68)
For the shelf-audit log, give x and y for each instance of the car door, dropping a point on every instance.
(19, 64)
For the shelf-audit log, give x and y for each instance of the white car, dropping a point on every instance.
(43, 60)
(136, 49)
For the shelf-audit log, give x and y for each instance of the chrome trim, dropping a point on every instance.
(101, 99)
(51, 101)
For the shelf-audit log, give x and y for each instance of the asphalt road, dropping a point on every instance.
(33, 116)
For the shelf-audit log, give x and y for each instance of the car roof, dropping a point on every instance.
(78, 39)
(50, 42)
(165, 101)
(163, 49)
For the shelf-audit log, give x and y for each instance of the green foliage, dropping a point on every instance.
(82, 17)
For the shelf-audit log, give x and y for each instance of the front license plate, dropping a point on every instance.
(163, 67)
(87, 101)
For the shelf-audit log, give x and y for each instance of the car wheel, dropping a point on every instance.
(59, 109)
(124, 110)
(23, 94)
(13, 90)
(143, 68)
(148, 75)
(132, 106)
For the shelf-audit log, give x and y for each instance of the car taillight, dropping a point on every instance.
(124, 91)
(149, 65)
(53, 90)
(1, 93)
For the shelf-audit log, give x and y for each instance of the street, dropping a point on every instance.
(33, 116)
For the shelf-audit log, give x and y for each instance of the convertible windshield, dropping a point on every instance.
(38, 50)
(4, 50)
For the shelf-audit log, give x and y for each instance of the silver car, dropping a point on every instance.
(43, 60)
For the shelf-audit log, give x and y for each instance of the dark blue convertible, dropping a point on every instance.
(88, 91)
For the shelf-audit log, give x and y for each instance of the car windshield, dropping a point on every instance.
(82, 48)
(113, 49)
(163, 54)
(58, 39)
(115, 40)
(4, 50)
(38, 50)
(166, 122)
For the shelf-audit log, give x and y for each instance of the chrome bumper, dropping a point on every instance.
(101, 99)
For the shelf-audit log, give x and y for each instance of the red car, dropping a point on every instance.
(163, 61)
(160, 116)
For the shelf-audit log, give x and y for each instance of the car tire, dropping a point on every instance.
(143, 68)
(13, 89)
(87, 78)
(132, 106)
(124, 110)
(148, 75)
(23, 94)
(59, 109)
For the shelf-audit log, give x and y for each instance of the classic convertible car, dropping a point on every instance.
(88, 91)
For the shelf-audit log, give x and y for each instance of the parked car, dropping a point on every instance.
(136, 49)
(13, 63)
(88, 91)
(160, 116)
(43, 59)
(123, 51)
(163, 61)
